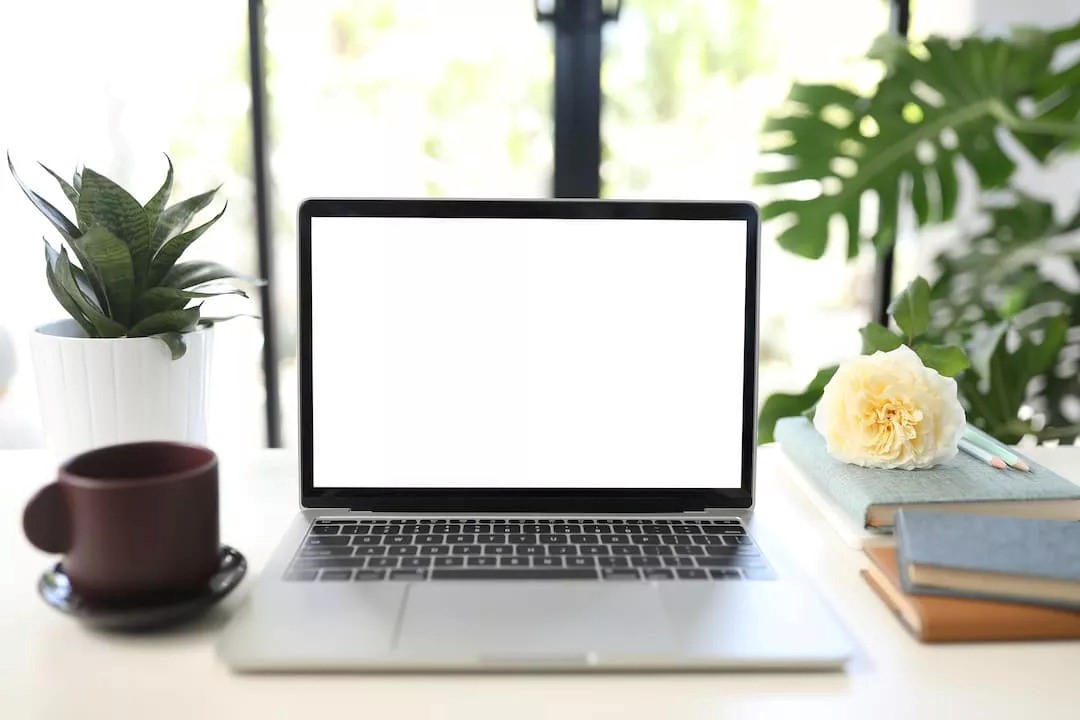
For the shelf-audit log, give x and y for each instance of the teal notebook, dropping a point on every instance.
(871, 496)
(991, 558)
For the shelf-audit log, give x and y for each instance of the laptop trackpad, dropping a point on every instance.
(508, 622)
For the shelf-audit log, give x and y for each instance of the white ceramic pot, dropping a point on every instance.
(95, 391)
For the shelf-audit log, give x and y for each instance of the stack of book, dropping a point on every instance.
(983, 552)
(956, 578)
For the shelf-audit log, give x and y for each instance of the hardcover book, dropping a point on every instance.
(871, 496)
(996, 558)
(935, 619)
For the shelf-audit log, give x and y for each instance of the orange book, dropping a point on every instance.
(934, 619)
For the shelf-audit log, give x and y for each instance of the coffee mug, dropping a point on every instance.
(136, 523)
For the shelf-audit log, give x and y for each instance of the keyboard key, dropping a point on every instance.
(326, 541)
(529, 550)
(466, 550)
(367, 540)
(677, 561)
(408, 574)
(646, 540)
(355, 530)
(619, 574)
(338, 562)
(382, 562)
(611, 561)
(692, 574)
(369, 551)
(301, 575)
(512, 573)
(579, 562)
(676, 540)
(658, 574)
(595, 550)
(645, 562)
(498, 549)
(719, 574)
(333, 551)
(562, 550)
(416, 562)
(687, 530)
(549, 561)
(521, 539)
(380, 529)
(625, 550)
(449, 561)
(429, 539)
(397, 540)
(491, 539)
(482, 561)
(738, 540)
(434, 550)
(408, 550)
(614, 539)
(461, 539)
(513, 562)
(336, 575)
(656, 550)
(584, 539)
(691, 550)
(554, 539)
(370, 574)
(333, 521)
(325, 529)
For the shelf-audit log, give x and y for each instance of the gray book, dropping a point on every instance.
(871, 496)
(992, 558)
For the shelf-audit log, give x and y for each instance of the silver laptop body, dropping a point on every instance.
(527, 442)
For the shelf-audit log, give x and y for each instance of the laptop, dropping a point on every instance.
(527, 442)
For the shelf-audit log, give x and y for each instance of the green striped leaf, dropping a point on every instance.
(166, 322)
(104, 203)
(69, 192)
(191, 274)
(112, 262)
(76, 180)
(103, 326)
(85, 282)
(160, 299)
(171, 250)
(60, 221)
(62, 296)
(176, 217)
(156, 205)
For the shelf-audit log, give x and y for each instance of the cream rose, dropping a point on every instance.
(888, 410)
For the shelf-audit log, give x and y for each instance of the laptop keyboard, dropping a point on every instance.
(337, 550)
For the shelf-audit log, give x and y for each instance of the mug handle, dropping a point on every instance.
(46, 521)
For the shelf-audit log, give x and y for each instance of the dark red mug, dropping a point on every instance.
(136, 523)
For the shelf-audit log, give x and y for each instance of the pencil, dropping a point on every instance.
(988, 443)
(980, 454)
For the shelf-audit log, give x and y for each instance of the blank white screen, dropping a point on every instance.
(529, 353)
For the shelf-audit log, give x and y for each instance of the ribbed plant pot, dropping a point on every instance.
(95, 391)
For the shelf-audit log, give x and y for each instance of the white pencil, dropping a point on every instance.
(979, 454)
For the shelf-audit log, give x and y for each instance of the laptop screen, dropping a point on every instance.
(527, 352)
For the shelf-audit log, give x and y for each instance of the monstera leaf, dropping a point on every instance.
(940, 105)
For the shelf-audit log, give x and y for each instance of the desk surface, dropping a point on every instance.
(52, 668)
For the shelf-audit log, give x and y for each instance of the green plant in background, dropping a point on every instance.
(127, 281)
(993, 307)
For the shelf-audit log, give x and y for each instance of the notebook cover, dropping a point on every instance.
(950, 619)
(963, 479)
(1047, 549)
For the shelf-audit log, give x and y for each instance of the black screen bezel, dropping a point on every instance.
(562, 500)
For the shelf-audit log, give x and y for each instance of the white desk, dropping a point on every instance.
(50, 667)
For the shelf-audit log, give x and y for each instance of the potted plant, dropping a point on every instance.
(948, 115)
(131, 362)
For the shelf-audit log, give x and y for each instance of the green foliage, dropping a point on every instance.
(913, 305)
(128, 281)
(940, 105)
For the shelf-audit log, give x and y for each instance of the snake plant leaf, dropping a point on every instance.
(175, 218)
(82, 280)
(104, 203)
(76, 180)
(69, 192)
(948, 360)
(175, 342)
(103, 325)
(160, 299)
(62, 296)
(911, 308)
(939, 106)
(156, 205)
(193, 273)
(877, 337)
(213, 319)
(782, 405)
(60, 221)
(112, 263)
(165, 322)
(170, 251)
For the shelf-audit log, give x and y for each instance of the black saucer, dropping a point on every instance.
(55, 588)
